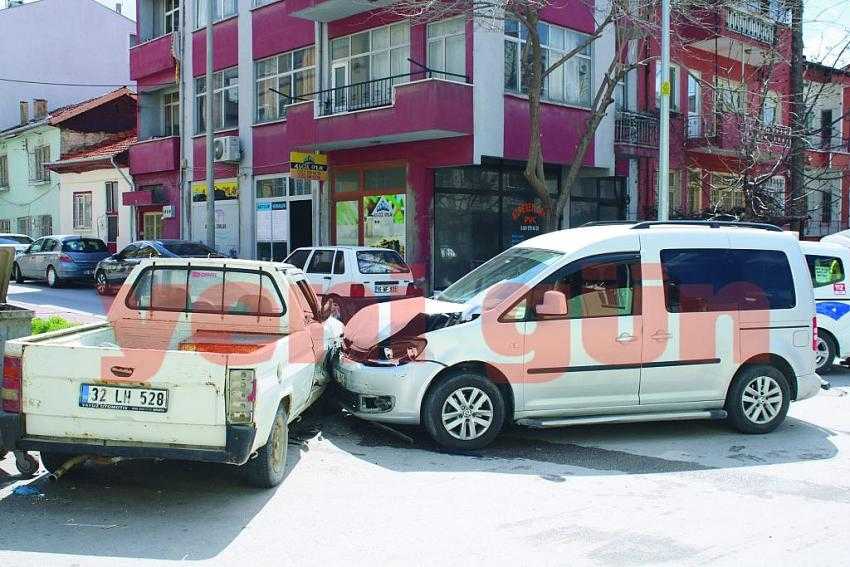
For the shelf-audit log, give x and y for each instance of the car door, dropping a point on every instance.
(319, 270)
(27, 260)
(339, 280)
(48, 255)
(587, 361)
(690, 318)
(115, 268)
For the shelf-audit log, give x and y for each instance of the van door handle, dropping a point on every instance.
(661, 335)
(625, 338)
(326, 278)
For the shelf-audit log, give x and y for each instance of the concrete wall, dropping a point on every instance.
(79, 41)
(95, 182)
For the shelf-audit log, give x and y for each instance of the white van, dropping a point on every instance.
(600, 324)
(827, 264)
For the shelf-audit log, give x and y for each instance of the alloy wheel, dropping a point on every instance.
(467, 413)
(762, 399)
(821, 352)
(100, 283)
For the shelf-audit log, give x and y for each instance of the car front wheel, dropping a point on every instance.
(464, 412)
(16, 272)
(100, 284)
(758, 399)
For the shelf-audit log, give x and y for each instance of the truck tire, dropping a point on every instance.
(52, 461)
(17, 273)
(464, 412)
(758, 399)
(267, 469)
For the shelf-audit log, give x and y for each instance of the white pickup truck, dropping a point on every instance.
(201, 359)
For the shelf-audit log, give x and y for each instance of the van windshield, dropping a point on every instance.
(516, 266)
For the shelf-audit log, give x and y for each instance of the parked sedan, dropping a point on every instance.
(112, 271)
(20, 241)
(59, 258)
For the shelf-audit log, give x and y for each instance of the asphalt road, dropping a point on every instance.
(681, 493)
(75, 302)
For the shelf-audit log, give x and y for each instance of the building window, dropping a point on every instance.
(694, 191)
(291, 74)
(171, 17)
(258, 3)
(5, 225)
(726, 192)
(225, 100)
(4, 171)
(82, 211)
(570, 82)
(171, 114)
(674, 86)
(111, 196)
(771, 112)
(152, 226)
(447, 49)
(674, 192)
(730, 96)
(370, 55)
(40, 157)
(37, 226)
(221, 9)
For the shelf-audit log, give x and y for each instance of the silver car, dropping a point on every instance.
(57, 259)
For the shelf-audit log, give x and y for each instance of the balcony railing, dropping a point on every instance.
(751, 25)
(370, 94)
(636, 129)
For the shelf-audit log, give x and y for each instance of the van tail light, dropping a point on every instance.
(814, 334)
(241, 395)
(357, 290)
(65, 258)
(12, 379)
(413, 291)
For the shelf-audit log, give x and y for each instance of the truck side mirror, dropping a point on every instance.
(554, 304)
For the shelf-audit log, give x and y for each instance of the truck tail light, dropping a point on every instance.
(65, 258)
(814, 334)
(241, 394)
(357, 290)
(12, 379)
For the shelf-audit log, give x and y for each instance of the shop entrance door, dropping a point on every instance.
(301, 223)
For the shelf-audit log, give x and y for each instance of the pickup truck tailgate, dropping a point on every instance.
(53, 395)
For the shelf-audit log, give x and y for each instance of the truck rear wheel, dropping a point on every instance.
(267, 469)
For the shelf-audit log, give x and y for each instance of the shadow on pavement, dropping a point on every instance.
(164, 510)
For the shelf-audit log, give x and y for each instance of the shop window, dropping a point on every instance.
(597, 199)
(152, 226)
(390, 178)
(347, 181)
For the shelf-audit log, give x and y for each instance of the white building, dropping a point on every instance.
(64, 43)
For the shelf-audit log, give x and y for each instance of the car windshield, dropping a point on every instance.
(84, 245)
(516, 265)
(17, 239)
(189, 249)
(381, 262)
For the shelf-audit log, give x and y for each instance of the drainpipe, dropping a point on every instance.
(132, 186)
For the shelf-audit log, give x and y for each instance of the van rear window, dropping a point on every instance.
(206, 290)
(825, 270)
(705, 280)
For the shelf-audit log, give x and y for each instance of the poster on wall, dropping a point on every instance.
(384, 222)
(526, 221)
(272, 222)
(226, 225)
(346, 223)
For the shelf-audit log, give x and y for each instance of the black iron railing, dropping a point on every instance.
(636, 129)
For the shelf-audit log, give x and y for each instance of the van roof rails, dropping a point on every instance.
(710, 224)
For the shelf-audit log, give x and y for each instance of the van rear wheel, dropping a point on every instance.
(758, 399)
(267, 469)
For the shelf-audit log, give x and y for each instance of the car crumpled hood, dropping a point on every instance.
(406, 317)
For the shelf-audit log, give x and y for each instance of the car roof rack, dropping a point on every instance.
(710, 224)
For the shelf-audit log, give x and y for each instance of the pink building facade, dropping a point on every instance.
(425, 128)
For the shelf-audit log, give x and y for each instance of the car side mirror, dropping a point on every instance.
(554, 304)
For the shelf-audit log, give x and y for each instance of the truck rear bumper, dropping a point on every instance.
(237, 450)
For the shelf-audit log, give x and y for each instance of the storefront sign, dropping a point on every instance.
(226, 225)
(228, 187)
(384, 221)
(305, 165)
(527, 220)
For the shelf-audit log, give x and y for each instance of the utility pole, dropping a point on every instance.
(208, 119)
(798, 117)
(664, 135)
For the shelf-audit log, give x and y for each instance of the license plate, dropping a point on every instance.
(119, 398)
(386, 288)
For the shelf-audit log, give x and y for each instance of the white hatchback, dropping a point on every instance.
(347, 278)
(828, 263)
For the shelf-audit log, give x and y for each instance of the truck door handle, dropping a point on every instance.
(625, 338)
(661, 335)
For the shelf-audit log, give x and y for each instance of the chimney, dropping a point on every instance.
(118, 7)
(25, 112)
(39, 108)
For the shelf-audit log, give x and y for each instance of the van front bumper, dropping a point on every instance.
(237, 449)
(390, 394)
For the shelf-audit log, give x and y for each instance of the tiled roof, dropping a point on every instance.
(107, 148)
(58, 115)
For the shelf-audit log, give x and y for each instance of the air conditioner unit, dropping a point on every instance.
(226, 149)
